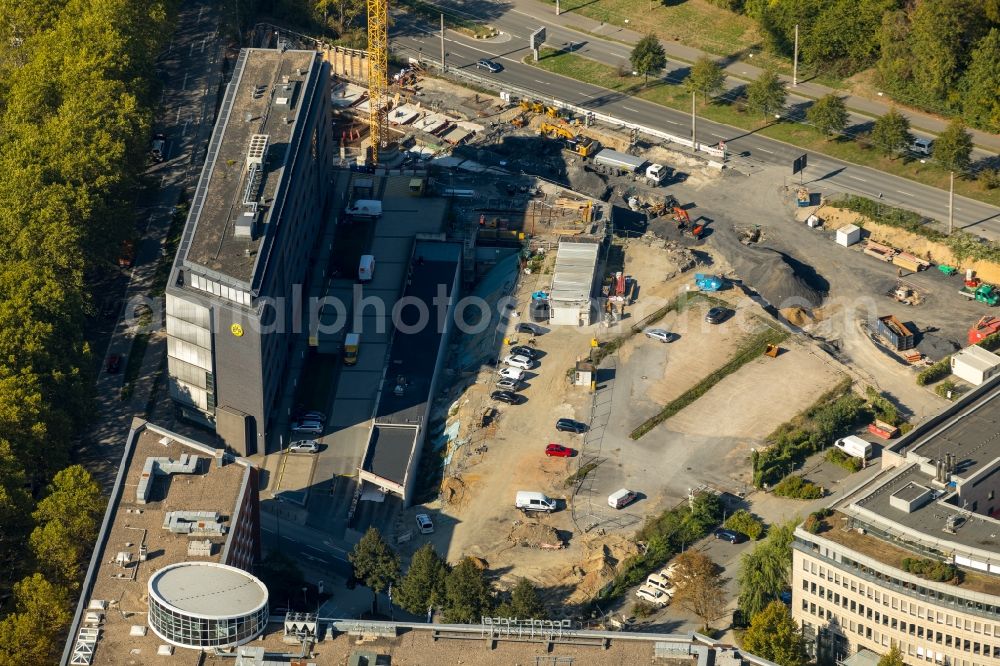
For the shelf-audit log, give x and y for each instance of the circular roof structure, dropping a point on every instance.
(207, 589)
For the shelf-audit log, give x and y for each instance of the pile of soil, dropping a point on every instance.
(797, 316)
(535, 535)
(780, 279)
(597, 570)
(452, 490)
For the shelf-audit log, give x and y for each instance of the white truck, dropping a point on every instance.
(656, 174)
(854, 446)
(365, 209)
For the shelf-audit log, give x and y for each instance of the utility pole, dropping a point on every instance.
(694, 144)
(795, 59)
(557, 7)
(951, 203)
(444, 67)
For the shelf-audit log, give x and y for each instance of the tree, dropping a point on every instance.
(891, 133)
(940, 42)
(766, 95)
(828, 114)
(774, 635)
(524, 602)
(706, 77)
(764, 571)
(423, 587)
(468, 596)
(892, 658)
(745, 522)
(28, 636)
(648, 56)
(375, 564)
(981, 103)
(953, 147)
(699, 586)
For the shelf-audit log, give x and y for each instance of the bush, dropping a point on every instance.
(838, 457)
(990, 342)
(989, 179)
(882, 406)
(796, 487)
(941, 572)
(935, 372)
(946, 390)
(814, 521)
(581, 474)
(747, 523)
(643, 609)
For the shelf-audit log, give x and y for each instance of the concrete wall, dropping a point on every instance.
(351, 64)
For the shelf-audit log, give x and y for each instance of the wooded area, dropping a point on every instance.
(77, 85)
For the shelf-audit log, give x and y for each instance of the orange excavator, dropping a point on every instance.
(683, 220)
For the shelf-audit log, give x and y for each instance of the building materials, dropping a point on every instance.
(895, 332)
(879, 251)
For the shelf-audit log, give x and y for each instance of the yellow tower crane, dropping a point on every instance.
(378, 73)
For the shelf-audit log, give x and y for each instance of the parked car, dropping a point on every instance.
(653, 595)
(113, 364)
(559, 451)
(509, 397)
(661, 582)
(304, 446)
(492, 66)
(511, 373)
(310, 427)
(523, 350)
(313, 416)
(526, 327)
(569, 425)
(731, 536)
(158, 148)
(717, 315)
(509, 385)
(659, 334)
(425, 524)
(518, 361)
(922, 146)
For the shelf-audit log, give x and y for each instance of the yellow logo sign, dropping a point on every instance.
(237, 330)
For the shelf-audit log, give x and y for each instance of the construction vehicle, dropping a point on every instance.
(656, 174)
(707, 282)
(905, 293)
(534, 107)
(554, 131)
(984, 293)
(579, 144)
(984, 328)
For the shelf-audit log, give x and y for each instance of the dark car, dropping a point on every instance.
(569, 425)
(492, 66)
(114, 364)
(521, 350)
(730, 535)
(559, 451)
(509, 397)
(717, 315)
(525, 327)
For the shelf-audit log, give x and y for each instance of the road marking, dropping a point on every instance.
(906, 194)
(861, 179)
(628, 108)
(184, 87)
(765, 150)
(672, 122)
(542, 82)
(719, 136)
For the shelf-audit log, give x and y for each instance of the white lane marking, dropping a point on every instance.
(542, 82)
(718, 135)
(765, 150)
(861, 179)
(906, 194)
(628, 108)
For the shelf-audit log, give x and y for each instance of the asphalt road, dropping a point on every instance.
(412, 37)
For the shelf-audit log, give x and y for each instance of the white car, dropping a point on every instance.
(659, 334)
(518, 361)
(511, 373)
(304, 446)
(662, 583)
(425, 524)
(653, 595)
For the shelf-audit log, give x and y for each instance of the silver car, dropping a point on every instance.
(506, 384)
(659, 334)
(304, 446)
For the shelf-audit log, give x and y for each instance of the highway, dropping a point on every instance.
(411, 36)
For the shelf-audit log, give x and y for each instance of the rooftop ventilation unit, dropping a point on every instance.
(194, 522)
(257, 151)
(246, 224)
(199, 548)
(258, 91)
(188, 464)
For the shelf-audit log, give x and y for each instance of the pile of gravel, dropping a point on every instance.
(777, 278)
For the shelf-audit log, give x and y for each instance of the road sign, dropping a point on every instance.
(799, 165)
(536, 40)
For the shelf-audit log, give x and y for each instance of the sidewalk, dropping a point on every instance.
(747, 72)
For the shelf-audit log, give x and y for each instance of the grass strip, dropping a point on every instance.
(748, 351)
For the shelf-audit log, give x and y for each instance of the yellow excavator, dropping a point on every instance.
(579, 144)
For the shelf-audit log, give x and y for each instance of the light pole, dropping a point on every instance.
(795, 59)
(694, 121)
(951, 203)
(444, 67)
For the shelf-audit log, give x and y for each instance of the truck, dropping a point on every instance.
(854, 446)
(656, 174)
(984, 293)
(368, 209)
(352, 343)
(895, 332)
(366, 267)
(618, 160)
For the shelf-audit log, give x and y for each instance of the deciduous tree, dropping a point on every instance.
(953, 147)
(706, 78)
(699, 586)
(774, 635)
(828, 114)
(894, 657)
(766, 95)
(891, 133)
(981, 84)
(648, 56)
(764, 571)
(375, 563)
(29, 635)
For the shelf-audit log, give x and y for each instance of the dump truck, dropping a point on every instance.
(984, 293)
(896, 333)
(618, 160)
(984, 328)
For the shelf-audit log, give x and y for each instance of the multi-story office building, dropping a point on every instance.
(912, 557)
(234, 299)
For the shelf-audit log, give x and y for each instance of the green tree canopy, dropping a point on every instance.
(375, 563)
(468, 596)
(981, 84)
(524, 602)
(766, 95)
(891, 133)
(828, 114)
(894, 657)
(648, 56)
(764, 571)
(953, 147)
(30, 635)
(774, 635)
(423, 586)
(706, 78)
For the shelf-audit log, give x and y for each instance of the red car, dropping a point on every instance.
(559, 451)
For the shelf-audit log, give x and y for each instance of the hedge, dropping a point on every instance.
(935, 372)
(797, 487)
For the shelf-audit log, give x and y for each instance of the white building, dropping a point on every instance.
(573, 283)
(975, 364)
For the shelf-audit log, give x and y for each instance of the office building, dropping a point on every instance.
(234, 298)
(912, 557)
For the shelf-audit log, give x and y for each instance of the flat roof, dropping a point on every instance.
(573, 275)
(977, 357)
(207, 588)
(210, 489)
(388, 451)
(265, 97)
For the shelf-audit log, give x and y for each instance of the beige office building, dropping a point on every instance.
(934, 499)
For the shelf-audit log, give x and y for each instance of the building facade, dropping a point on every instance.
(234, 302)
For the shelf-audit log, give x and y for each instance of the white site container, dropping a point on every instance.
(848, 235)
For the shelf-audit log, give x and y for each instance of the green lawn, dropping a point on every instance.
(676, 97)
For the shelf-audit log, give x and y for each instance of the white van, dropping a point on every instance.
(621, 498)
(366, 267)
(527, 500)
(854, 446)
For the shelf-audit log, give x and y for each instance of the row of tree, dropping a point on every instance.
(942, 55)
(462, 593)
(76, 80)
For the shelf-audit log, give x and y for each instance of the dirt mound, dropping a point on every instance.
(780, 279)
(797, 316)
(535, 535)
(480, 563)
(452, 490)
(597, 570)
